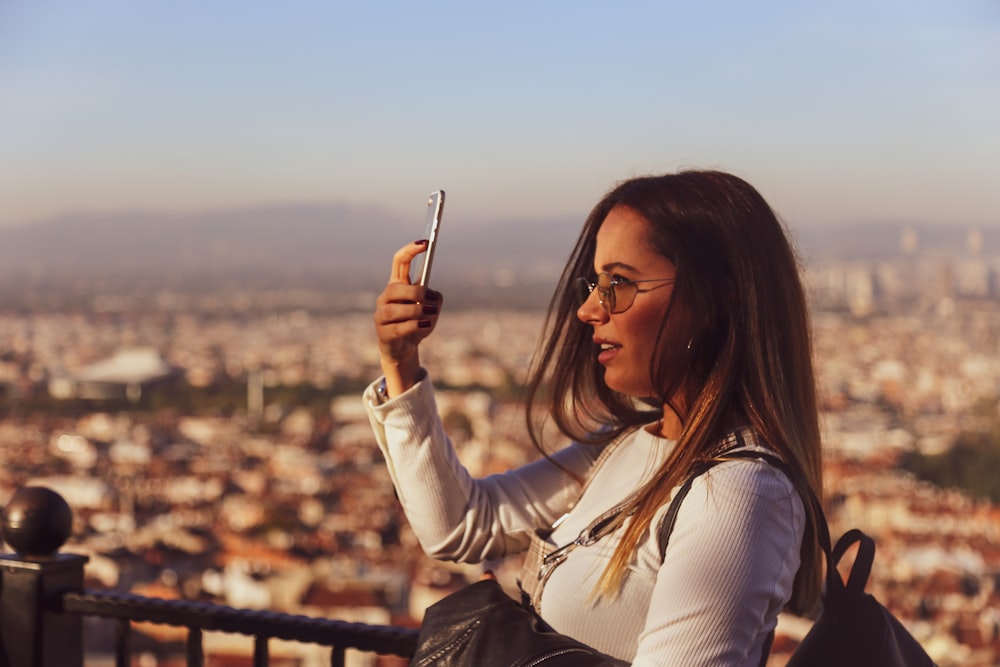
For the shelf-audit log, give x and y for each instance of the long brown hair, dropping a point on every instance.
(734, 348)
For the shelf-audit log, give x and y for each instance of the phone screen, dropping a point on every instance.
(420, 271)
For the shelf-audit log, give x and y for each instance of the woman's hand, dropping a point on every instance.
(405, 314)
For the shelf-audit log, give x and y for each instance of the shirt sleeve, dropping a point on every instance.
(455, 516)
(728, 570)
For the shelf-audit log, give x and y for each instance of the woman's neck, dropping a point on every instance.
(670, 425)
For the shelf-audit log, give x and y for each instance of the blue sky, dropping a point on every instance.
(848, 111)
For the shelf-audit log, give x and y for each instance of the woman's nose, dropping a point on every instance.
(592, 311)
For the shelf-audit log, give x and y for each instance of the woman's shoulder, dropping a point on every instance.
(744, 462)
(747, 475)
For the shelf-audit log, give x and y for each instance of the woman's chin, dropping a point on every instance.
(637, 390)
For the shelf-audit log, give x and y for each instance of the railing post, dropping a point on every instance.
(36, 522)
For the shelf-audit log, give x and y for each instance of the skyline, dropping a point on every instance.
(863, 112)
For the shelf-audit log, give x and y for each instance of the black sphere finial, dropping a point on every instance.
(36, 521)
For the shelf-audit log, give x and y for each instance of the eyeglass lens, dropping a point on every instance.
(615, 297)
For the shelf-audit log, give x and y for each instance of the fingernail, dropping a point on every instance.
(432, 295)
(424, 324)
(421, 242)
(430, 310)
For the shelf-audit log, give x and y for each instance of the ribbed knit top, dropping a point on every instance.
(713, 598)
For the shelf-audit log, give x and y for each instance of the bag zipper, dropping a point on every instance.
(554, 653)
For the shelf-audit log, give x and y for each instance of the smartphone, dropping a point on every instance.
(420, 270)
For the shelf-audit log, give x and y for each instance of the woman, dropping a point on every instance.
(679, 330)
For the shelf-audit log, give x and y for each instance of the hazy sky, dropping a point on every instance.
(855, 110)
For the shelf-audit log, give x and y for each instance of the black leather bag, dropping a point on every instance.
(481, 626)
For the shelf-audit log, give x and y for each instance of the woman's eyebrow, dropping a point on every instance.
(613, 266)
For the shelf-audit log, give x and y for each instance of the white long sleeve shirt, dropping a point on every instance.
(711, 601)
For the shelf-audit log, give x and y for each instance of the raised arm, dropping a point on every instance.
(405, 315)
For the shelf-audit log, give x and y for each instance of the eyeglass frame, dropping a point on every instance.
(608, 295)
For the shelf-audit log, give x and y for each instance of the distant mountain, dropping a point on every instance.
(215, 241)
(339, 253)
(356, 245)
(265, 239)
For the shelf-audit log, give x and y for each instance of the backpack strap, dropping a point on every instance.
(861, 569)
(738, 452)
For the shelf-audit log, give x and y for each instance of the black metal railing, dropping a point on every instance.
(43, 603)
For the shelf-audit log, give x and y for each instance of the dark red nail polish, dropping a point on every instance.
(430, 310)
(421, 242)
(424, 324)
(432, 295)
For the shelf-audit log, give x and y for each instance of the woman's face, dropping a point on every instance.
(624, 342)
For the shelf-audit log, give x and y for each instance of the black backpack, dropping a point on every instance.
(854, 629)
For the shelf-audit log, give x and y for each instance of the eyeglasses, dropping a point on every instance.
(615, 293)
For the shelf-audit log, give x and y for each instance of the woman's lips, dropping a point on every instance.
(608, 351)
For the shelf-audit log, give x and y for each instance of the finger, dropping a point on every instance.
(394, 313)
(410, 295)
(399, 293)
(388, 318)
(400, 339)
(433, 296)
(403, 258)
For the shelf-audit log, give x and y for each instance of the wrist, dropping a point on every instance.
(383, 393)
(398, 377)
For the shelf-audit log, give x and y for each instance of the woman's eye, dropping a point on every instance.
(619, 280)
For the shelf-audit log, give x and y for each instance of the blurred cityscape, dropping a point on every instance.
(213, 445)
